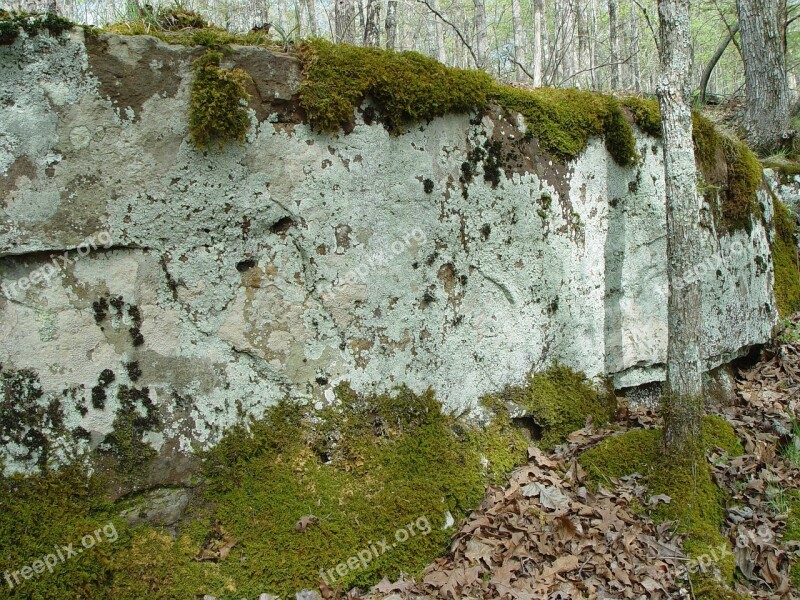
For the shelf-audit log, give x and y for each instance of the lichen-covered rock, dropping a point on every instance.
(210, 284)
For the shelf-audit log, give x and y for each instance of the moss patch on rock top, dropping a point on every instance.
(11, 24)
(409, 87)
(218, 105)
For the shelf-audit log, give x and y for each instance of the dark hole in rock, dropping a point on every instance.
(528, 427)
(282, 225)
(244, 265)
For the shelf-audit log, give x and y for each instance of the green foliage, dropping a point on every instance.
(696, 502)
(12, 23)
(559, 400)
(218, 105)
(408, 86)
(784, 258)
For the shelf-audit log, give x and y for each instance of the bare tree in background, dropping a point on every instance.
(761, 28)
(518, 39)
(682, 404)
(613, 43)
(636, 74)
(391, 24)
(585, 64)
(372, 32)
(480, 33)
(345, 21)
(538, 41)
(35, 6)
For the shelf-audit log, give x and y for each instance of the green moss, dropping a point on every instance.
(563, 120)
(717, 432)
(696, 502)
(407, 86)
(792, 532)
(218, 105)
(784, 167)
(500, 442)
(210, 37)
(646, 114)
(559, 400)
(784, 258)
(744, 177)
(12, 23)
(38, 514)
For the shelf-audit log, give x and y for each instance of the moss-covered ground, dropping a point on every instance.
(358, 471)
(792, 531)
(697, 504)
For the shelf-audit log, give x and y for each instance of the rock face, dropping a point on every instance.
(174, 292)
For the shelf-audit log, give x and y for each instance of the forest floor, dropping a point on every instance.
(553, 533)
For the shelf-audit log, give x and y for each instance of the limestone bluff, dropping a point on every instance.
(210, 297)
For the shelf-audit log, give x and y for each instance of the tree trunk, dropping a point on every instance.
(636, 74)
(391, 24)
(518, 39)
(763, 54)
(714, 60)
(372, 33)
(345, 21)
(584, 66)
(683, 400)
(538, 41)
(614, 43)
(480, 33)
(312, 17)
(438, 32)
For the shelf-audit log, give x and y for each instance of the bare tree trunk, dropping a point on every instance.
(391, 24)
(636, 74)
(480, 33)
(614, 43)
(345, 21)
(584, 66)
(518, 39)
(714, 60)
(312, 17)
(593, 43)
(372, 33)
(538, 41)
(683, 401)
(763, 53)
(438, 32)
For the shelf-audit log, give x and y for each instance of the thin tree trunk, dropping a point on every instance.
(312, 17)
(438, 32)
(344, 21)
(480, 33)
(372, 33)
(518, 39)
(683, 401)
(714, 60)
(585, 66)
(763, 54)
(614, 43)
(538, 41)
(391, 24)
(636, 75)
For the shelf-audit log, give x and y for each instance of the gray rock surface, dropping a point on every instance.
(237, 276)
